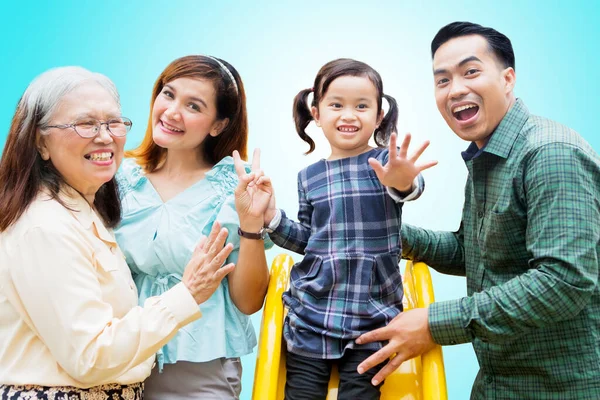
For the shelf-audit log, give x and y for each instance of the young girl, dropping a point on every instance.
(178, 183)
(349, 230)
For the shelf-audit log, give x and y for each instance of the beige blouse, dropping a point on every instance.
(68, 305)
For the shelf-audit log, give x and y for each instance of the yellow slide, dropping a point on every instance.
(421, 378)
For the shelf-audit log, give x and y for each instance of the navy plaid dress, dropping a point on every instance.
(348, 282)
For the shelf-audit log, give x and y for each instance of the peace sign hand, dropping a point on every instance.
(400, 171)
(253, 193)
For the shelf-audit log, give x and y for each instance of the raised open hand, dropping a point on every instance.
(254, 191)
(401, 170)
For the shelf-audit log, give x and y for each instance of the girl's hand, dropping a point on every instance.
(253, 195)
(203, 273)
(400, 171)
(271, 210)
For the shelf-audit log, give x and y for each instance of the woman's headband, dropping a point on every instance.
(227, 71)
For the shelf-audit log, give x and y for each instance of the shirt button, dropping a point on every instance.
(453, 342)
(480, 214)
(489, 379)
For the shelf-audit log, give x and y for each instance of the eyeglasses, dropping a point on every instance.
(89, 127)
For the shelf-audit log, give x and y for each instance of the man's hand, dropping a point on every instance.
(408, 335)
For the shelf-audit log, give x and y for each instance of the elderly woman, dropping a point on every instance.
(70, 324)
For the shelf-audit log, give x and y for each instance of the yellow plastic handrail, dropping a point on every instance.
(422, 378)
(270, 351)
(434, 375)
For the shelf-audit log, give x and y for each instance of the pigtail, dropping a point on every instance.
(302, 117)
(388, 124)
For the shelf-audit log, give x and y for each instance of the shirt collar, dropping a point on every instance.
(472, 152)
(503, 138)
(85, 214)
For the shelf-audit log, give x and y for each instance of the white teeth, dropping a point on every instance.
(348, 129)
(170, 127)
(100, 156)
(465, 107)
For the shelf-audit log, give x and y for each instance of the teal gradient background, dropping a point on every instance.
(278, 48)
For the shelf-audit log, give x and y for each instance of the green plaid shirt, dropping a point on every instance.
(528, 245)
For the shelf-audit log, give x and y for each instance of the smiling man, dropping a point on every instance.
(528, 243)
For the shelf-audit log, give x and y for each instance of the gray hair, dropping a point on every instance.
(45, 92)
(23, 172)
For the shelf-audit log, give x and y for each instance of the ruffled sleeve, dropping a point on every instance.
(223, 176)
(129, 176)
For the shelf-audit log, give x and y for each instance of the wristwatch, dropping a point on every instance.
(260, 235)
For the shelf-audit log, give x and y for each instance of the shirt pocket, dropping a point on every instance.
(502, 241)
(117, 287)
(311, 277)
(105, 260)
(386, 280)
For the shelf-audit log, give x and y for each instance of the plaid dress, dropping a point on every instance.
(348, 282)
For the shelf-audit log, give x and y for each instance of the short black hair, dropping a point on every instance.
(498, 42)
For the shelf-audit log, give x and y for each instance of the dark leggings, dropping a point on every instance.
(308, 378)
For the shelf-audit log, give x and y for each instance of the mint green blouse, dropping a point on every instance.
(158, 239)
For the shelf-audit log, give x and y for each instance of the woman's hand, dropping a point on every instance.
(203, 273)
(254, 194)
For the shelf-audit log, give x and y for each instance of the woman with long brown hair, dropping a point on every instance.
(174, 186)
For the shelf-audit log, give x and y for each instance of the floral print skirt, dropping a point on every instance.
(111, 391)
